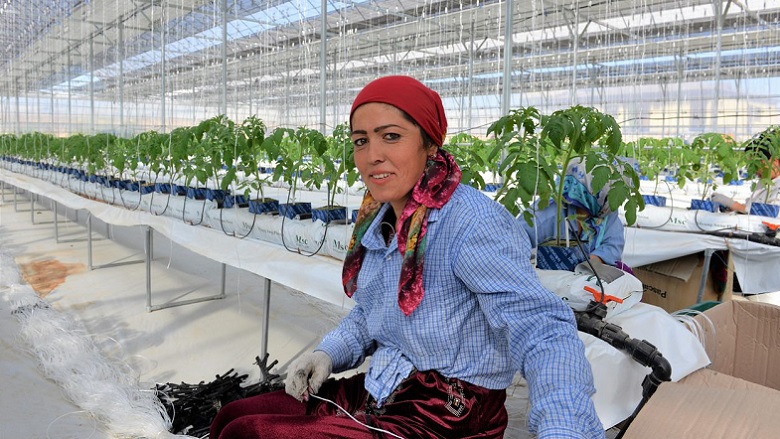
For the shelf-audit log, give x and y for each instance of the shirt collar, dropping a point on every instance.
(373, 239)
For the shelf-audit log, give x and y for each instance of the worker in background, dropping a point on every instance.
(597, 227)
(447, 305)
(762, 147)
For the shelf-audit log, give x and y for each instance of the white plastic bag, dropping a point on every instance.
(579, 287)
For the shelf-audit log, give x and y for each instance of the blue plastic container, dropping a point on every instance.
(329, 213)
(655, 200)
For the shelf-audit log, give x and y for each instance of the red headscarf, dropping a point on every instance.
(433, 190)
(412, 96)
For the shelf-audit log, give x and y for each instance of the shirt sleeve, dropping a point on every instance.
(540, 330)
(611, 248)
(543, 227)
(348, 344)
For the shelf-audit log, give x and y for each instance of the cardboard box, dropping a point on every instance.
(674, 284)
(737, 396)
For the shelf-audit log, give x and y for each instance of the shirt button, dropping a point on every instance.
(388, 257)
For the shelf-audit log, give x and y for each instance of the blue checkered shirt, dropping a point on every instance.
(485, 316)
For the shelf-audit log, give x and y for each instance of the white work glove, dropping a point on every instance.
(307, 373)
(722, 200)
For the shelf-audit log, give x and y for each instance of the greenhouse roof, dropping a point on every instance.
(95, 48)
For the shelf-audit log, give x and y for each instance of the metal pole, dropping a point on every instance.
(91, 86)
(38, 108)
(51, 103)
(679, 61)
(705, 271)
(18, 118)
(148, 243)
(266, 317)
(70, 103)
(576, 36)
(56, 224)
(223, 94)
(163, 75)
(471, 77)
(121, 30)
(224, 277)
(323, 62)
(718, 5)
(89, 241)
(506, 99)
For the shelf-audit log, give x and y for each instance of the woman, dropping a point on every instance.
(447, 305)
(598, 228)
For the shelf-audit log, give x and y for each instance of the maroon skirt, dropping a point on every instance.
(425, 405)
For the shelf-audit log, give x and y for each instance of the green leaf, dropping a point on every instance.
(630, 212)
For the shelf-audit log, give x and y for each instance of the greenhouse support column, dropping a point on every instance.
(507, 92)
(192, 102)
(91, 86)
(679, 61)
(3, 115)
(471, 77)
(18, 117)
(251, 86)
(121, 42)
(323, 61)
(718, 5)
(162, 69)
(665, 93)
(738, 89)
(507, 95)
(26, 104)
(223, 93)
(576, 36)
(70, 109)
(51, 102)
(286, 109)
(38, 108)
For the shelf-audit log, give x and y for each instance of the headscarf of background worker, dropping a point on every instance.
(765, 146)
(446, 304)
(599, 228)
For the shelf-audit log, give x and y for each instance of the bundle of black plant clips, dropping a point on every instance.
(192, 407)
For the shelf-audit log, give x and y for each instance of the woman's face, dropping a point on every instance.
(389, 152)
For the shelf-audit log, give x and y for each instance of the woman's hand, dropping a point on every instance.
(307, 373)
(722, 200)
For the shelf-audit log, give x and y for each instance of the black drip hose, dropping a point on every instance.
(643, 352)
(761, 238)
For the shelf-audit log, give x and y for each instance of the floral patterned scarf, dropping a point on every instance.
(434, 189)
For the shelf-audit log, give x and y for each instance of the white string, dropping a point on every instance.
(687, 317)
(67, 355)
(355, 419)
(94, 422)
